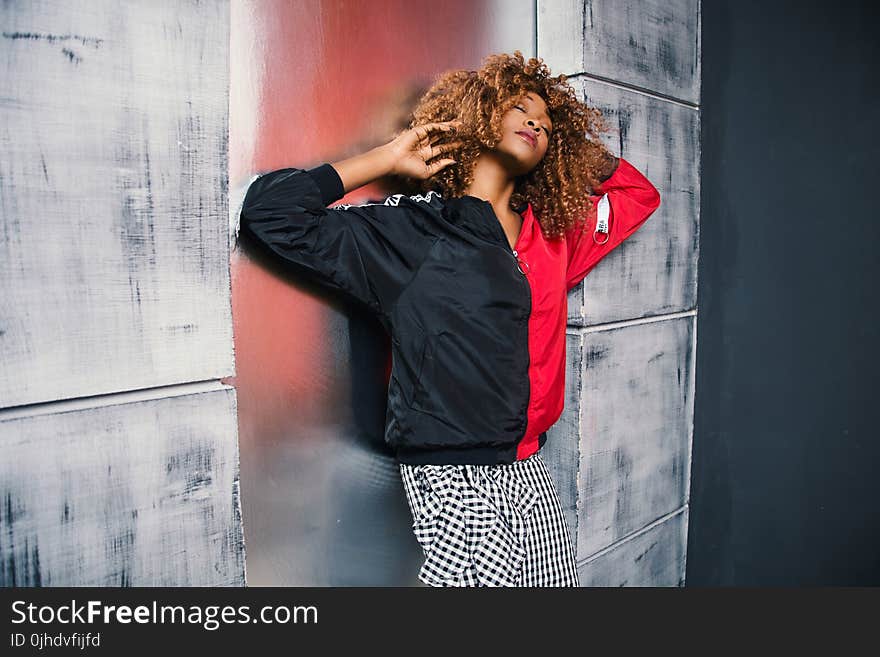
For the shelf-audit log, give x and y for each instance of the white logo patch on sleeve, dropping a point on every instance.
(603, 210)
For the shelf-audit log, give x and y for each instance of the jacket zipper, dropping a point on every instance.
(516, 257)
(515, 254)
(509, 249)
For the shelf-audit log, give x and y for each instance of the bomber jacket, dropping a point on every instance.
(477, 328)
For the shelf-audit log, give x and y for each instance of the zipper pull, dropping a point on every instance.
(516, 255)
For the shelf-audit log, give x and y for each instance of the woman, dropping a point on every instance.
(520, 200)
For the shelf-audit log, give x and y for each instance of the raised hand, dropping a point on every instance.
(414, 152)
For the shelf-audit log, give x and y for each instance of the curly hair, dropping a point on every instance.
(575, 160)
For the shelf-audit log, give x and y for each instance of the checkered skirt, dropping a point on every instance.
(489, 525)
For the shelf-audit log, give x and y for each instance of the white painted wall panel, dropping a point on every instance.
(654, 271)
(650, 44)
(114, 268)
(629, 388)
(132, 494)
(636, 424)
(654, 557)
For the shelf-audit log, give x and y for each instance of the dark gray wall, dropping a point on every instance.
(785, 450)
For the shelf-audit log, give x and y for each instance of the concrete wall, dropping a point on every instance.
(119, 441)
(621, 453)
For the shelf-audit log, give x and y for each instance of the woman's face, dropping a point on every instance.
(525, 130)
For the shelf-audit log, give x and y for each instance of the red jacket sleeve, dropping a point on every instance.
(631, 199)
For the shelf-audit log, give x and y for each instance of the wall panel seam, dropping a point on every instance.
(635, 88)
(633, 535)
(573, 329)
(112, 399)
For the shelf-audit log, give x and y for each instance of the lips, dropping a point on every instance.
(528, 137)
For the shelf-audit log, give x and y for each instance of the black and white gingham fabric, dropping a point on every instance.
(489, 525)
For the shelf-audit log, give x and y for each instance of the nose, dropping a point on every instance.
(532, 124)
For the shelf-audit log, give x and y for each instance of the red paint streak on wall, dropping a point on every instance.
(327, 62)
(332, 72)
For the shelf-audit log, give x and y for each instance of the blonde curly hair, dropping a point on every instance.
(575, 162)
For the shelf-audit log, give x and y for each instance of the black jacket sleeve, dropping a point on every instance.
(369, 252)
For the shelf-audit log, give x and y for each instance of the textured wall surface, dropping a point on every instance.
(141, 492)
(626, 433)
(114, 277)
(114, 272)
(653, 556)
(653, 45)
(655, 271)
(637, 410)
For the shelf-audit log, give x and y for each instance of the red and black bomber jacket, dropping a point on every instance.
(477, 328)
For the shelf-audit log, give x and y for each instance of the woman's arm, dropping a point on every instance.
(623, 201)
(360, 170)
(413, 153)
(370, 252)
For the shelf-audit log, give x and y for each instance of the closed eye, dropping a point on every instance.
(521, 109)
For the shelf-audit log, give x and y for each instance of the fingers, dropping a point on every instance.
(434, 167)
(436, 129)
(425, 143)
(441, 125)
(430, 151)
